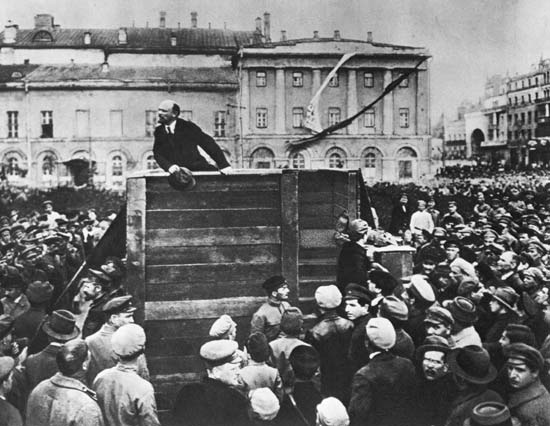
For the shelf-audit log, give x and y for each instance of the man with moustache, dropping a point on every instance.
(357, 300)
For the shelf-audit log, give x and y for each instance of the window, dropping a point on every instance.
(370, 160)
(261, 118)
(116, 165)
(405, 82)
(42, 36)
(150, 122)
(333, 116)
(297, 79)
(187, 115)
(403, 117)
(335, 161)
(297, 161)
(522, 99)
(115, 120)
(529, 115)
(13, 166)
(515, 100)
(151, 163)
(262, 158)
(536, 95)
(406, 157)
(82, 123)
(47, 124)
(261, 79)
(13, 124)
(522, 118)
(219, 124)
(368, 78)
(369, 118)
(297, 117)
(48, 165)
(334, 81)
(529, 97)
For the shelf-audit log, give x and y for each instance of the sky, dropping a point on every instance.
(469, 40)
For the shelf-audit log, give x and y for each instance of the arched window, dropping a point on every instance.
(151, 163)
(371, 163)
(116, 164)
(262, 158)
(297, 161)
(336, 158)
(13, 166)
(42, 36)
(48, 165)
(406, 162)
(370, 160)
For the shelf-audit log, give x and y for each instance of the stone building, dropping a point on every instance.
(81, 100)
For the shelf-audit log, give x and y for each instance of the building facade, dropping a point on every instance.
(79, 105)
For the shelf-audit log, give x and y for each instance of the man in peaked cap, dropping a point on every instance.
(118, 311)
(357, 300)
(124, 397)
(529, 400)
(214, 401)
(397, 312)
(267, 319)
(383, 391)
(353, 263)
(439, 322)
(9, 415)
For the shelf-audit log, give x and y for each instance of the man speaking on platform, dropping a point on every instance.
(176, 145)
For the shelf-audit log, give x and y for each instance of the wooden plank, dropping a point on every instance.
(314, 180)
(169, 364)
(215, 199)
(212, 218)
(213, 236)
(209, 272)
(316, 238)
(183, 309)
(352, 191)
(339, 198)
(320, 252)
(217, 183)
(135, 233)
(192, 328)
(257, 254)
(290, 232)
(318, 269)
(231, 287)
(314, 222)
(319, 196)
(316, 209)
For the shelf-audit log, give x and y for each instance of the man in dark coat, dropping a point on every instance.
(529, 400)
(357, 302)
(331, 337)
(400, 216)
(503, 306)
(177, 141)
(353, 263)
(98, 290)
(215, 401)
(9, 415)
(383, 391)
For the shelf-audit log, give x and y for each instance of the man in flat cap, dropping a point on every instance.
(63, 400)
(529, 400)
(353, 263)
(357, 300)
(292, 323)
(396, 311)
(124, 397)
(267, 319)
(9, 415)
(177, 142)
(439, 322)
(214, 401)
(464, 313)
(331, 337)
(383, 391)
(119, 311)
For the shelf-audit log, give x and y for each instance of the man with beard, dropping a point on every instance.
(357, 302)
(96, 290)
(436, 386)
(267, 319)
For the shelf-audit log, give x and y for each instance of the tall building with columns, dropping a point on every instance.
(79, 105)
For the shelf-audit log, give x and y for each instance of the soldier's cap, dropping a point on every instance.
(31, 252)
(128, 340)
(52, 239)
(490, 232)
(491, 413)
(428, 258)
(219, 352)
(102, 276)
(46, 202)
(356, 291)
(221, 326)
(6, 325)
(524, 354)
(6, 228)
(453, 242)
(332, 412)
(17, 227)
(392, 307)
(39, 291)
(263, 403)
(537, 245)
(439, 232)
(421, 289)
(7, 364)
(452, 203)
(439, 315)
(273, 283)
(383, 280)
(119, 305)
(433, 343)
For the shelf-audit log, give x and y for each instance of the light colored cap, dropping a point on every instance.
(328, 296)
(331, 412)
(264, 403)
(381, 333)
(221, 326)
(128, 340)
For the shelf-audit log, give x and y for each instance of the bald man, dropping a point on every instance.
(177, 141)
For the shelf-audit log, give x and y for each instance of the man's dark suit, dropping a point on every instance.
(181, 148)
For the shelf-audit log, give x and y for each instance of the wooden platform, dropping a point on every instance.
(195, 255)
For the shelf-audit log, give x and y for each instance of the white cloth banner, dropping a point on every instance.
(313, 121)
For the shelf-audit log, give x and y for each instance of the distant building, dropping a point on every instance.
(75, 98)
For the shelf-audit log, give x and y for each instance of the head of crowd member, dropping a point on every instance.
(523, 365)
(452, 249)
(480, 198)
(6, 338)
(441, 278)
(357, 300)
(13, 287)
(439, 235)
(17, 231)
(47, 205)
(535, 250)
(224, 328)
(507, 262)
(427, 264)
(128, 342)
(407, 237)
(464, 313)
(421, 238)
(381, 282)
(517, 333)
(380, 336)
(292, 322)
(328, 298)
(358, 230)
(101, 277)
(72, 358)
(452, 207)
(305, 362)
(470, 288)
(491, 413)
(471, 367)
(92, 289)
(431, 204)
(432, 355)
(30, 256)
(39, 293)
(5, 234)
(438, 322)
(258, 347)
(61, 326)
(119, 311)
(532, 279)
(7, 365)
(523, 236)
(395, 310)
(263, 405)
(419, 294)
(403, 199)
(331, 412)
(503, 300)
(421, 205)
(276, 288)
(222, 361)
